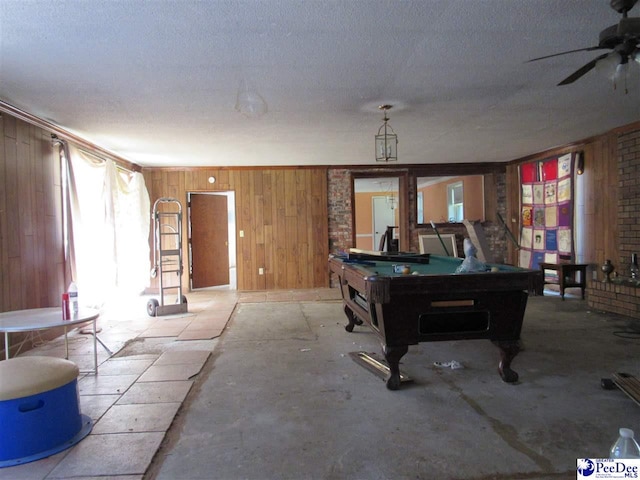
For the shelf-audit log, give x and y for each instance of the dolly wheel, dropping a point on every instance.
(152, 306)
(184, 299)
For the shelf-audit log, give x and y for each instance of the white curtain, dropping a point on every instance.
(109, 243)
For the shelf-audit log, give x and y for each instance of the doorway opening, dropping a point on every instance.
(212, 241)
(377, 207)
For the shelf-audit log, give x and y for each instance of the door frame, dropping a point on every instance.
(231, 223)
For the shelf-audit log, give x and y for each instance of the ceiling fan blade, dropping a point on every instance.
(588, 49)
(581, 71)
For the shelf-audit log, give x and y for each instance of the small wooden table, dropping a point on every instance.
(570, 275)
(45, 318)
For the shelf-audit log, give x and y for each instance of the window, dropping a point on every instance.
(455, 202)
(109, 227)
(420, 218)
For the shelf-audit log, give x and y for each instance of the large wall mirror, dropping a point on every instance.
(450, 199)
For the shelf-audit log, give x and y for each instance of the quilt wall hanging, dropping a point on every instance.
(547, 205)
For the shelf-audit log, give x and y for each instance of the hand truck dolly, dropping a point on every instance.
(167, 257)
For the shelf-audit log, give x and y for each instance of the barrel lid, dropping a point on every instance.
(25, 376)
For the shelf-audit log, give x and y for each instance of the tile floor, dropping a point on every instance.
(139, 389)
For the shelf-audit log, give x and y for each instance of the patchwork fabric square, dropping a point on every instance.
(551, 216)
(551, 240)
(538, 217)
(525, 257)
(564, 167)
(550, 170)
(550, 197)
(565, 215)
(565, 241)
(538, 194)
(538, 239)
(527, 216)
(528, 173)
(526, 238)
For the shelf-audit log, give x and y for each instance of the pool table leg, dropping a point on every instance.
(508, 351)
(353, 320)
(393, 356)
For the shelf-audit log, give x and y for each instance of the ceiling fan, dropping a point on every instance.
(623, 39)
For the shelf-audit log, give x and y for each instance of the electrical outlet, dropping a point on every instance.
(261, 271)
(241, 233)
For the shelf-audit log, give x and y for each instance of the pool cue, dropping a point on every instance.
(510, 235)
(440, 238)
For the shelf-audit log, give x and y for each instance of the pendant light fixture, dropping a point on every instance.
(386, 140)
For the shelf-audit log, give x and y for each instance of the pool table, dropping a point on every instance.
(433, 303)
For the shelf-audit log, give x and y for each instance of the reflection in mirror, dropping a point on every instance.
(376, 208)
(450, 199)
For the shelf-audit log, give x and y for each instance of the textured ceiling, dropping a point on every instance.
(157, 82)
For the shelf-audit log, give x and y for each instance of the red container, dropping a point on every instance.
(66, 312)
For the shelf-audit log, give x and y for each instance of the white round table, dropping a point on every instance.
(45, 318)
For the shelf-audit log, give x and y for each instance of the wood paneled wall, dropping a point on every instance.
(32, 257)
(282, 212)
(600, 203)
(32, 269)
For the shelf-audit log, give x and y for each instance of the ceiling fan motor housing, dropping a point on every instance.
(626, 32)
(629, 27)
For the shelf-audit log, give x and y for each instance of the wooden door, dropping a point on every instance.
(209, 240)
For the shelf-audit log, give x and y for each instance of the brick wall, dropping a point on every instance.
(496, 235)
(620, 297)
(628, 199)
(610, 297)
(340, 210)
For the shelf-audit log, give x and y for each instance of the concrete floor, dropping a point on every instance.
(280, 398)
